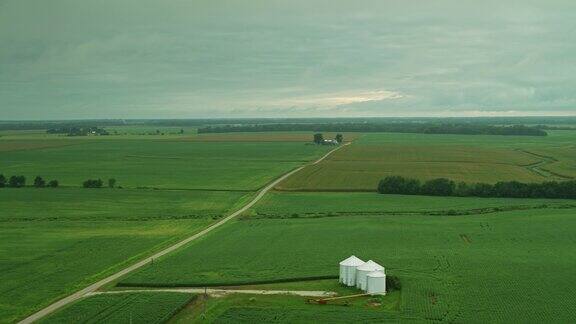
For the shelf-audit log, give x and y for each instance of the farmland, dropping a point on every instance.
(264, 137)
(459, 259)
(487, 159)
(284, 309)
(58, 240)
(505, 258)
(123, 308)
(162, 164)
(323, 204)
(116, 204)
(67, 238)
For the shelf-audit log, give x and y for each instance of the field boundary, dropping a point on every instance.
(439, 212)
(221, 284)
(95, 286)
(213, 291)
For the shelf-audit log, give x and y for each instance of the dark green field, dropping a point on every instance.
(474, 268)
(123, 308)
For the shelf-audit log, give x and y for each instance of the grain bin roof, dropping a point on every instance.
(370, 266)
(352, 261)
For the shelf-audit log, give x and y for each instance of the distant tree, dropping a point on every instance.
(399, 185)
(511, 189)
(462, 189)
(2, 181)
(318, 138)
(481, 190)
(91, 183)
(339, 138)
(393, 283)
(446, 187)
(182, 131)
(111, 183)
(53, 184)
(17, 181)
(39, 182)
(439, 187)
(390, 127)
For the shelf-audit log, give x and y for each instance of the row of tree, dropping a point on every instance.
(391, 127)
(98, 183)
(39, 182)
(20, 181)
(446, 187)
(77, 131)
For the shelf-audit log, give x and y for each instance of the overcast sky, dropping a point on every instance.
(65, 59)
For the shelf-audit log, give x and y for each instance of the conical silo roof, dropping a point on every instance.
(352, 261)
(370, 266)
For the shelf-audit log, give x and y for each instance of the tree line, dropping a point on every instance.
(504, 189)
(19, 181)
(98, 183)
(399, 127)
(43, 125)
(77, 131)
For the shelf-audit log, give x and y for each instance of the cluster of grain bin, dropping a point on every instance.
(368, 276)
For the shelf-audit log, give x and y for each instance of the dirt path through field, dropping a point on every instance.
(222, 292)
(95, 286)
(538, 167)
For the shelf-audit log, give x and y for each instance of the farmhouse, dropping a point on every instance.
(330, 142)
(368, 276)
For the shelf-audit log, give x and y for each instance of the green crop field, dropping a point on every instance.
(488, 159)
(162, 164)
(459, 259)
(510, 266)
(122, 308)
(113, 204)
(55, 241)
(286, 309)
(332, 204)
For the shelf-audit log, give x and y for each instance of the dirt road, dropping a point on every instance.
(222, 292)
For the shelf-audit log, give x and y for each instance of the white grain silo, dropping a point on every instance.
(348, 270)
(376, 283)
(363, 270)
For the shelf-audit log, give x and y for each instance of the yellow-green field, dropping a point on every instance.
(490, 159)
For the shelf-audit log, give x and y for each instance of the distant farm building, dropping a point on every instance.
(330, 142)
(368, 276)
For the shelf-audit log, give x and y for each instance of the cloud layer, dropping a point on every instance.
(257, 58)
